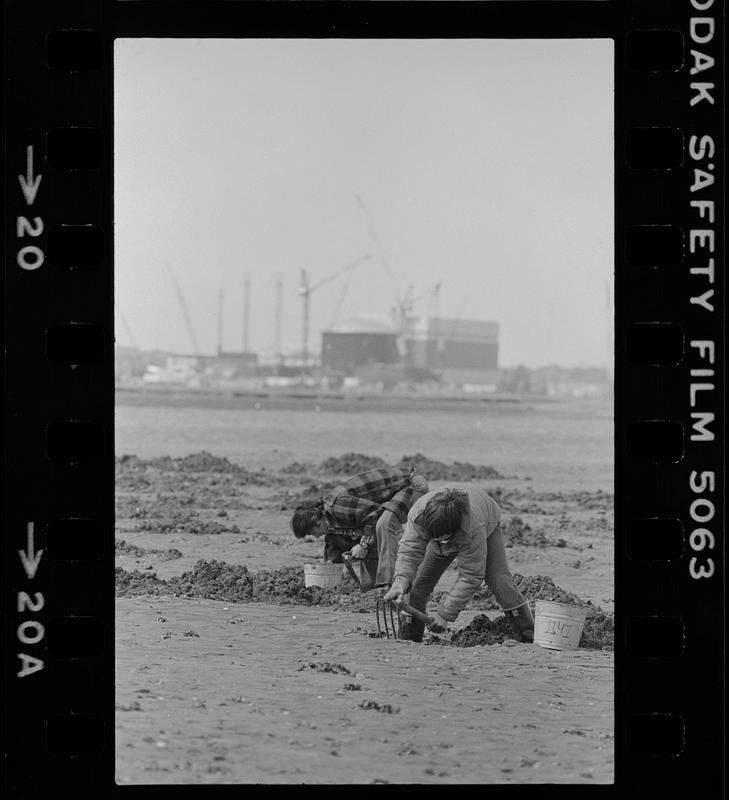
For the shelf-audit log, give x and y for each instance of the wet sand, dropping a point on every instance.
(222, 691)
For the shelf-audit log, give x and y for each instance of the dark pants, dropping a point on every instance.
(335, 544)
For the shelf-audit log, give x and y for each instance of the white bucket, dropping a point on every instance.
(322, 574)
(558, 626)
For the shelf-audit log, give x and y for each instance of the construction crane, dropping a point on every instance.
(403, 302)
(406, 304)
(185, 313)
(373, 235)
(305, 290)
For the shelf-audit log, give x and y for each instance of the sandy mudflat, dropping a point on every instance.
(224, 691)
(232, 704)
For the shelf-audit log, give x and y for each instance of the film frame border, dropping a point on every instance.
(669, 462)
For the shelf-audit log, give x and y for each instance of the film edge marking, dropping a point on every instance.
(29, 257)
(30, 559)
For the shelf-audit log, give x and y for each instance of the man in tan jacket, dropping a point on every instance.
(461, 524)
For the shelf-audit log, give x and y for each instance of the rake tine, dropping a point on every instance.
(395, 629)
(380, 610)
(384, 617)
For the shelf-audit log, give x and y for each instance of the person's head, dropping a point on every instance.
(442, 514)
(308, 520)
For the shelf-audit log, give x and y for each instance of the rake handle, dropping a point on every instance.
(347, 558)
(419, 615)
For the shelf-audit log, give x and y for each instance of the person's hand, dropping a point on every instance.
(396, 591)
(358, 551)
(437, 624)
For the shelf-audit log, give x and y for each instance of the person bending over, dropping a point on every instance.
(460, 523)
(363, 516)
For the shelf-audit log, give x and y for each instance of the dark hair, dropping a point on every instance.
(443, 512)
(305, 517)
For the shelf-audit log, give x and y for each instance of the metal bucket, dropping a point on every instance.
(558, 626)
(325, 575)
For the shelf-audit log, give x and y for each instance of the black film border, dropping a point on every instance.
(669, 389)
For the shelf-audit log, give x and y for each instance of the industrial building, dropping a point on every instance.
(445, 343)
(373, 349)
(454, 350)
(357, 343)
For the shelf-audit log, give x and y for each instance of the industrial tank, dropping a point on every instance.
(358, 342)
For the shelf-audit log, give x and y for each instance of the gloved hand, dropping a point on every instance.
(358, 551)
(396, 591)
(437, 623)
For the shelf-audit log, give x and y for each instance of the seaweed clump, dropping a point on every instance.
(234, 583)
(188, 523)
(483, 631)
(598, 632)
(517, 532)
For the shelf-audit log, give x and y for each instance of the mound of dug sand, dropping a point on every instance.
(186, 523)
(597, 633)
(483, 631)
(439, 471)
(352, 463)
(130, 469)
(599, 630)
(196, 462)
(122, 547)
(131, 584)
(288, 499)
(234, 583)
(533, 587)
(517, 532)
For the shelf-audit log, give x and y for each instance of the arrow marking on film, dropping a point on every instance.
(30, 559)
(28, 184)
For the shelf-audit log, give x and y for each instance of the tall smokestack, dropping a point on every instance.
(220, 320)
(279, 313)
(246, 310)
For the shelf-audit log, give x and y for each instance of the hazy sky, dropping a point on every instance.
(485, 165)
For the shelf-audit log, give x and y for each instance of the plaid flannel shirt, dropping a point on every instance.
(353, 508)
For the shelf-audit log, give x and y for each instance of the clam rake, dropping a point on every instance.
(387, 615)
(390, 618)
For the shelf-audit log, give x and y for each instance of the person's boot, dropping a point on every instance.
(411, 629)
(522, 623)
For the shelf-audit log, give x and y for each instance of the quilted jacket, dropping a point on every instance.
(468, 544)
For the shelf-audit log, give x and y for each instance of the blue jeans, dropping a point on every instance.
(497, 576)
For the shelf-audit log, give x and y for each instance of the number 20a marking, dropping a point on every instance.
(30, 257)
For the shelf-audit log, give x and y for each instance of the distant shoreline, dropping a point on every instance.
(180, 397)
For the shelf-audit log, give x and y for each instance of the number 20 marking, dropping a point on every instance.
(31, 256)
